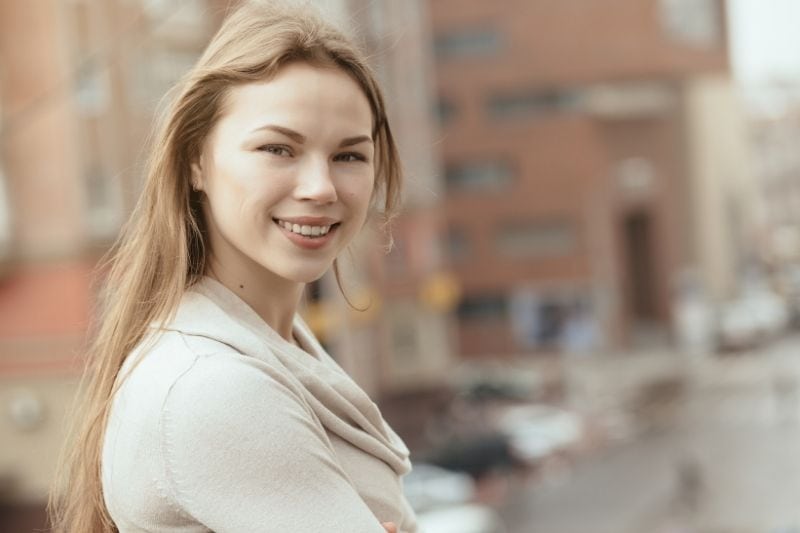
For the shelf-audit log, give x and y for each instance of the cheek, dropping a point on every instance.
(358, 197)
(235, 208)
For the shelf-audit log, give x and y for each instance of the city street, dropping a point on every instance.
(727, 461)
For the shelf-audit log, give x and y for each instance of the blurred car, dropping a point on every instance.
(428, 486)
(442, 500)
(476, 454)
(790, 281)
(747, 321)
(537, 431)
(469, 518)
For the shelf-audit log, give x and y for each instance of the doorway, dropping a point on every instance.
(641, 295)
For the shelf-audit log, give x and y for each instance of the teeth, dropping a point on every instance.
(308, 231)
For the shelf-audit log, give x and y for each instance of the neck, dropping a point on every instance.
(273, 298)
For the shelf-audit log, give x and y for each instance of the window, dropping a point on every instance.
(314, 291)
(535, 239)
(92, 90)
(531, 102)
(468, 43)
(169, 15)
(483, 307)
(479, 176)
(103, 205)
(445, 110)
(404, 337)
(562, 319)
(155, 71)
(695, 22)
(457, 244)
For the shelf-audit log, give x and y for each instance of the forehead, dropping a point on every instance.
(301, 96)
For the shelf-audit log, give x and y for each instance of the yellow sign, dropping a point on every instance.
(440, 292)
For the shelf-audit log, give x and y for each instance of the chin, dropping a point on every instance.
(306, 275)
(309, 278)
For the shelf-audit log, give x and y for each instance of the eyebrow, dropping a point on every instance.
(299, 138)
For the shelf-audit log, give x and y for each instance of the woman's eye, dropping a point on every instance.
(276, 149)
(350, 157)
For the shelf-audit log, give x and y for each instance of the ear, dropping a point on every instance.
(196, 178)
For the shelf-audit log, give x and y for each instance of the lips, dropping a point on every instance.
(307, 236)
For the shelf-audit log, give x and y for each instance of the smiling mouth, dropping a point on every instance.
(307, 231)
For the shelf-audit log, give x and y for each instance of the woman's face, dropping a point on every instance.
(288, 174)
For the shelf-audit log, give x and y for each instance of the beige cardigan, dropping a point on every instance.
(225, 426)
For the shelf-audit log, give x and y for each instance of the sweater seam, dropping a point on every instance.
(165, 436)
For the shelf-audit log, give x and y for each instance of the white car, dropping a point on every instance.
(752, 318)
(428, 486)
(460, 519)
(442, 500)
(537, 431)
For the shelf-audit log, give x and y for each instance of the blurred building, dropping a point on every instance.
(724, 185)
(80, 82)
(590, 150)
(775, 138)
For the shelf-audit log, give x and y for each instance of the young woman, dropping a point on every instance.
(210, 405)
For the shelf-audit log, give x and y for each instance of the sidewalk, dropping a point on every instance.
(614, 391)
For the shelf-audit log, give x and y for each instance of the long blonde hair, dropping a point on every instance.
(161, 250)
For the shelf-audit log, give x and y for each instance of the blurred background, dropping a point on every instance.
(588, 321)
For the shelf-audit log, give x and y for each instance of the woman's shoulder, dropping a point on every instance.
(164, 404)
(164, 360)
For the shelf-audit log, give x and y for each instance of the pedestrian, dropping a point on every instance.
(690, 484)
(209, 404)
(786, 393)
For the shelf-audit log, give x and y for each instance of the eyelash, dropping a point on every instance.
(283, 151)
(356, 157)
(272, 149)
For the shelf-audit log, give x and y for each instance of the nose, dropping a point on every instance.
(315, 183)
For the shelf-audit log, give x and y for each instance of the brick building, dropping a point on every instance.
(570, 142)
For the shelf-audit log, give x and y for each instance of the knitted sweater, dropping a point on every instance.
(223, 425)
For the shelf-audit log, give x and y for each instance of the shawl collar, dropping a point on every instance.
(211, 310)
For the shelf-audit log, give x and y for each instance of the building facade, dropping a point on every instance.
(567, 144)
(774, 137)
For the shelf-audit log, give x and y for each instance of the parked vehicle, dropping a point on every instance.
(790, 283)
(754, 317)
(476, 454)
(428, 486)
(536, 431)
(470, 518)
(443, 501)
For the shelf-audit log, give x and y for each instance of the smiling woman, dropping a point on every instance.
(208, 404)
(287, 177)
